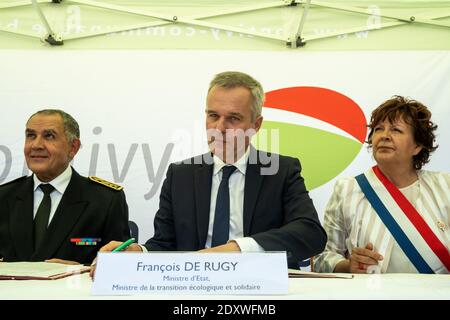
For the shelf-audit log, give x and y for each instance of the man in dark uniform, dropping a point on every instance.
(55, 213)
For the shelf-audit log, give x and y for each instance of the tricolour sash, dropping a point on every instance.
(414, 236)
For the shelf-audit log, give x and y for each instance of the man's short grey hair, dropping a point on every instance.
(233, 79)
(71, 128)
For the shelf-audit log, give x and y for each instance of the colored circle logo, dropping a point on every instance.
(323, 128)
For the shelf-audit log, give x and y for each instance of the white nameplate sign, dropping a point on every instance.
(191, 273)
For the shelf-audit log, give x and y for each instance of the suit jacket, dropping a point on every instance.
(278, 212)
(87, 210)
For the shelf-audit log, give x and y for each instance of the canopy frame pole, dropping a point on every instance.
(51, 36)
(296, 39)
(196, 21)
(383, 25)
(403, 18)
(20, 4)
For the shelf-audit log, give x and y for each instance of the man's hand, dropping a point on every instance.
(110, 247)
(114, 244)
(362, 258)
(231, 246)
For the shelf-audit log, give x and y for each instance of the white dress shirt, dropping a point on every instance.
(236, 186)
(60, 184)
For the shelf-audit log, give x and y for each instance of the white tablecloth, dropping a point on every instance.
(386, 286)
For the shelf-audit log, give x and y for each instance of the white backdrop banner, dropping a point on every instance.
(140, 110)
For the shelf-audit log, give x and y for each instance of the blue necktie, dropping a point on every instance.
(221, 229)
(42, 215)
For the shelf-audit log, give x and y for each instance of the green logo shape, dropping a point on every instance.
(323, 155)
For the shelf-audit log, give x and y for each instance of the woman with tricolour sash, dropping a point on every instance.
(395, 216)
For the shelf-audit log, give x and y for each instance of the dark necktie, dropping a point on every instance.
(42, 215)
(221, 228)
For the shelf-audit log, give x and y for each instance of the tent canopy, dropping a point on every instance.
(230, 24)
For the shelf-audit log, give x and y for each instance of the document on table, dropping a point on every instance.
(38, 270)
(293, 273)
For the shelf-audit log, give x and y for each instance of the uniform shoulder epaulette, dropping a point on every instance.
(13, 181)
(106, 183)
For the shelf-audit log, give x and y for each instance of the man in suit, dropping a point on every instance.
(262, 196)
(42, 215)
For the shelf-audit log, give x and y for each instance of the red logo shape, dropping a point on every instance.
(323, 104)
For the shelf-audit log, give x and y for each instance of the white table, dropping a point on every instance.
(370, 287)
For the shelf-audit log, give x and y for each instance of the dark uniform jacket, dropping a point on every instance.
(88, 209)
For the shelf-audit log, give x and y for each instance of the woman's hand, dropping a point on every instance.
(362, 258)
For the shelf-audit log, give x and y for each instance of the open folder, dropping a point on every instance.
(38, 270)
(302, 274)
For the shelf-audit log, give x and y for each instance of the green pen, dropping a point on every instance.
(124, 245)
